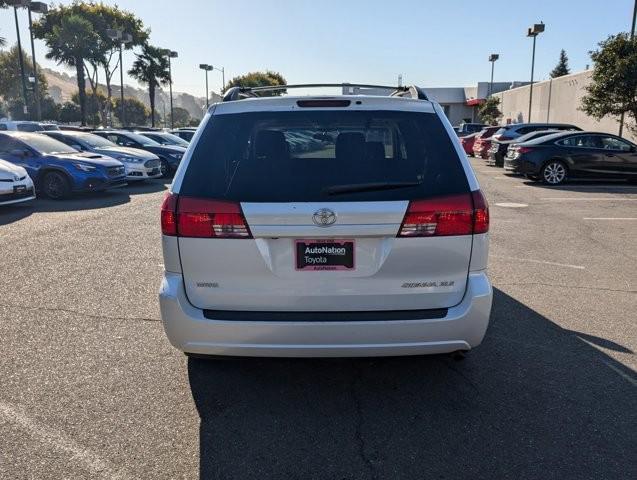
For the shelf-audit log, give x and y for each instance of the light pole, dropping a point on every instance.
(533, 31)
(16, 4)
(223, 76)
(123, 39)
(207, 68)
(632, 36)
(170, 54)
(37, 7)
(492, 58)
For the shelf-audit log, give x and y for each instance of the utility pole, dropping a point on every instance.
(492, 58)
(632, 36)
(21, 60)
(37, 7)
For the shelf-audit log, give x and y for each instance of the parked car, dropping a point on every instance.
(467, 143)
(469, 128)
(165, 138)
(185, 133)
(57, 169)
(482, 142)
(557, 157)
(499, 148)
(370, 241)
(15, 184)
(169, 155)
(21, 126)
(515, 130)
(140, 164)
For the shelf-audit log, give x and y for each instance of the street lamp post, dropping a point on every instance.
(206, 68)
(492, 58)
(37, 7)
(123, 39)
(16, 4)
(171, 54)
(533, 31)
(223, 76)
(632, 36)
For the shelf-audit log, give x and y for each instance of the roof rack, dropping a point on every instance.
(238, 93)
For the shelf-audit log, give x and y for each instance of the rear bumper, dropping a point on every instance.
(189, 330)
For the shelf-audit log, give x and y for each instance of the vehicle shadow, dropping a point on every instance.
(534, 401)
(84, 201)
(588, 186)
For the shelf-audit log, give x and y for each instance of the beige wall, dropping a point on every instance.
(565, 99)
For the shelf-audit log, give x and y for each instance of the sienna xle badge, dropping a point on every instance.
(325, 226)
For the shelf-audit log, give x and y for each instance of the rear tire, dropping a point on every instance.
(554, 172)
(164, 168)
(55, 185)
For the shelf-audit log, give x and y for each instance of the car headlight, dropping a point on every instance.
(176, 156)
(84, 167)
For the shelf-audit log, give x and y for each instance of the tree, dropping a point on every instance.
(95, 107)
(151, 68)
(258, 79)
(70, 113)
(11, 83)
(613, 87)
(489, 111)
(70, 39)
(561, 68)
(135, 111)
(181, 117)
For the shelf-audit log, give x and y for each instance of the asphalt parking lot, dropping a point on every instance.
(90, 387)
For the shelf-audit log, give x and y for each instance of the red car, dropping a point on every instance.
(467, 142)
(482, 142)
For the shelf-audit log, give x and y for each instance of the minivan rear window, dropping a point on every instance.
(324, 155)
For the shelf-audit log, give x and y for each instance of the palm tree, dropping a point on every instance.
(151, 68)
(71, 39)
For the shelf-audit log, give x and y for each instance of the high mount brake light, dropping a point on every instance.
(203, 218)
(449, 215)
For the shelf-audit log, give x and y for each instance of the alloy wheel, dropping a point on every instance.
(554, 173)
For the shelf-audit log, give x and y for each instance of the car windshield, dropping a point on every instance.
(167, 139)
(145, 141)
(93, 141)
(46, 145)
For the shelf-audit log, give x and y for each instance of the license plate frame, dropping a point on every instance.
(328, 258)
(20, 189)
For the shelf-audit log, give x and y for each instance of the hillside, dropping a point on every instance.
(62, 87)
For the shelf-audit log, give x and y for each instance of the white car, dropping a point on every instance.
(15, 184)
(139, 164)
(325, 226)
(26, 126)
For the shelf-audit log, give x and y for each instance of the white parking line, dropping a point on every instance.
(89, 460)
(511, 205)
(543, 262)
(589, 199)
(611, 218)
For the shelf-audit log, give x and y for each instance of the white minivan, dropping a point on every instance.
(325, 226)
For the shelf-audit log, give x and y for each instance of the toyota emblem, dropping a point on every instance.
(324, 217)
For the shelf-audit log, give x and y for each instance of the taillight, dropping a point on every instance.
(203, 218)
(169, 215)
(480, 212)
(446, 216)
(524, 149)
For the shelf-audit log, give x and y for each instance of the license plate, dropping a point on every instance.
(324, 254)
(20, 189)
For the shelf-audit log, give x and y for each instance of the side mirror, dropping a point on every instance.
(20, 153)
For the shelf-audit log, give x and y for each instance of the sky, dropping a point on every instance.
(431, 43)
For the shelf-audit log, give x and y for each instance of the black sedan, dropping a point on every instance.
(555, 158)
(169, 155)
(499, 148)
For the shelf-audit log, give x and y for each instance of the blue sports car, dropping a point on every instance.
(57, 169)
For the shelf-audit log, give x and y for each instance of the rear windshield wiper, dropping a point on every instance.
(367, 187)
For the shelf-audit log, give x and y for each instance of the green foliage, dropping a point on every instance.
(135, 111)
(258, 79)
(489, 111)
(70, 113)
(10, 79)
(151, 68)
(561, 68)
(613, 89)
(95, 107)
(181, 117)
